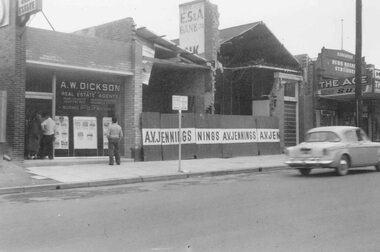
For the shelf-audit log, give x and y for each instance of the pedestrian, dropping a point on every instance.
(114, 135)
(48, 131)
(34, 136)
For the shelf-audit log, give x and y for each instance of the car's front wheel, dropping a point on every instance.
(377, 166)
(343, 166)
(304, 171)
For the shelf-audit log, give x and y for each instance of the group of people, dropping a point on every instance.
(41, 137)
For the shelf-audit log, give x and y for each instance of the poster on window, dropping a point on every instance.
(106, 124)
(85, 133)
(61, 133)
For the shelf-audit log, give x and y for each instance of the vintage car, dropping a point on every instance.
(337, 147)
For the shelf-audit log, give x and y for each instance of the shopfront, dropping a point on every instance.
(335, 93)
(82, 104)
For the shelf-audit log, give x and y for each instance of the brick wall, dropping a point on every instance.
(124, 30)
(133, 106)
(12, 79)
(121, 30)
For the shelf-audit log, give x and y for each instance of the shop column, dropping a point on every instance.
(12, 77)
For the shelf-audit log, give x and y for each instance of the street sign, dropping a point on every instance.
(179, 102)
(28, 7)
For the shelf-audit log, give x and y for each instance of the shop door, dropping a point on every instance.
(32, 108)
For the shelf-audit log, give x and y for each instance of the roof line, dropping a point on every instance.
(241, 33)
(90, 69)
(294, 58)
(263, 67)
(179, 49)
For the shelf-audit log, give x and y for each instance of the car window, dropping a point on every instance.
(322, 136)
(351, 136)
(362, 136)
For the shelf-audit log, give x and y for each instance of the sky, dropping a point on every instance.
(302, 26)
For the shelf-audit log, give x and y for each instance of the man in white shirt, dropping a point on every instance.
(114, 135)
(48, 131)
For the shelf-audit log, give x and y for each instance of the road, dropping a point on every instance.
(280, 211)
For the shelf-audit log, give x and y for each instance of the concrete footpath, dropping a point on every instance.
(66, 173)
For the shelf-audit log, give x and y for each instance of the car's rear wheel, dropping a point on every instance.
(304, 171)
(343, 166)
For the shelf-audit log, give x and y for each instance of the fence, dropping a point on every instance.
(207, 136)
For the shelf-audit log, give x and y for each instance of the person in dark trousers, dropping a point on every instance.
(48, 131)
(34, 136)
(114, 135)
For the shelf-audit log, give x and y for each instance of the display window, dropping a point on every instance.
(83, 103)
(86, 100)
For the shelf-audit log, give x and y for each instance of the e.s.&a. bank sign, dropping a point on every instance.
(192, 26)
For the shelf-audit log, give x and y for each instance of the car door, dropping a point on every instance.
(368, 149)
(359, 148)
(354, 147)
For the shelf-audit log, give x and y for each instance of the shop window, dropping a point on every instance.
(38, 80)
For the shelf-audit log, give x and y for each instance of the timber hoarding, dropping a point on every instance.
(207, 136)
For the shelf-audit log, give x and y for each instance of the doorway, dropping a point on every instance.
(32, 108)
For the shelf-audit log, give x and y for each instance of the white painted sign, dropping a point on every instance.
(179, 102)
(28, 7)
(192, 27)
(4, 13)
(376, 74)
(156, 136)
(61, 133)
(85, 133)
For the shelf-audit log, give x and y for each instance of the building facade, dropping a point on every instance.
(258, 76)
(330, 92)
(82, 79)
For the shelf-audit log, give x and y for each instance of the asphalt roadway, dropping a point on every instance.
(67, 173)
(277, 211)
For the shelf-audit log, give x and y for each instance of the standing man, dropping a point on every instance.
(48, 126)
(114, 135)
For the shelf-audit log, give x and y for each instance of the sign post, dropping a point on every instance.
(179, 103)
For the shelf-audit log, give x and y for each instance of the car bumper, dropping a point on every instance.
(309, 163)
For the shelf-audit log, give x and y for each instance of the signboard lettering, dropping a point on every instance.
(61, 132)
(342, 86)
(156, 136)
(376, 74)
(337, 63)
(179, 102)
(192, 27)
(85, 133)
(87, 95)
(28, 7)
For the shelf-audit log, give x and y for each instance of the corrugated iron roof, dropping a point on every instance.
(255, 42)
(231, 32)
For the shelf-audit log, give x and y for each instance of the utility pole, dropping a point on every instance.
(358, 64)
